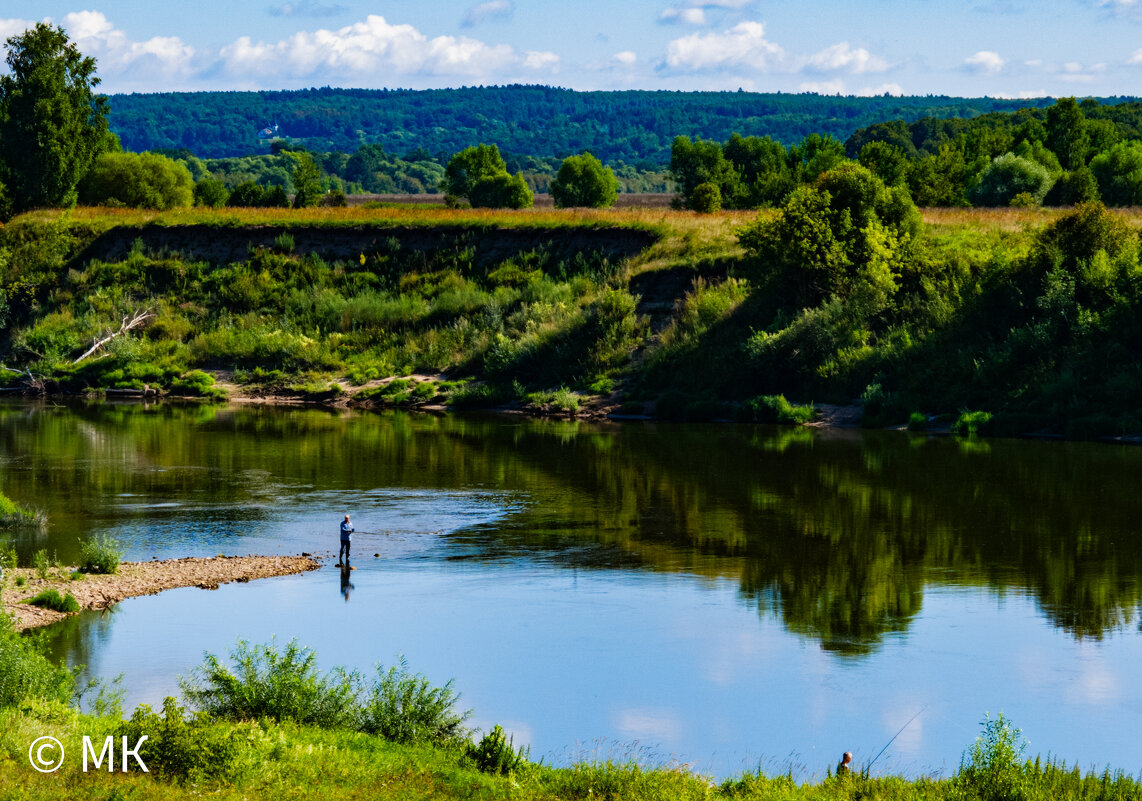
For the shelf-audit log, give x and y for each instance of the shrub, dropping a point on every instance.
(968, 424)
(501, 191)
(13, 515)
(197, 383)
(917, 422)
(142, 180)
(1009, 176)
(993, 769)
(25, 673)
(496, 753)
(584, 181)
(210, 192)
(405, 708)
(184, 747)
(774, 409)
(100, 555)
(41, 563)
(266, 682)
(706, 198)
(51, 599)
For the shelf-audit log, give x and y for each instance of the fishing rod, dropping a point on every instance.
(868, 767)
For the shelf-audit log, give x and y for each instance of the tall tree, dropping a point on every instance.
(52, 124)
(1067, 134)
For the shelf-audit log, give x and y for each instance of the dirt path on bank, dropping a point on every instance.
(138, 578)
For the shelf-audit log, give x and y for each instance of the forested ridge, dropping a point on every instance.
(636, 127)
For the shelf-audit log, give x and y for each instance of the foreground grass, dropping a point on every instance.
(283, 760)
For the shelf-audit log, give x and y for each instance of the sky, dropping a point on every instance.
(1000, 48)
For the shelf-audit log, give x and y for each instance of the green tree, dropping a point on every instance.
(762, 165)
(584, 181)
(706, 198)
(939, 179)
(210, 192)
(845, 235)
(501, 191)
(1119, 174)
(471, 165)
(1067, 134)
(1009, 175)
(139, 180)
(887, 162)
(52, 124)
(306, 180)
(702, 162)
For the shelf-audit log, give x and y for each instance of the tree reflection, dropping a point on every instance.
(836, 534)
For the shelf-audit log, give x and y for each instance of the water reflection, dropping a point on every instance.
(836, 534)
(346, 585)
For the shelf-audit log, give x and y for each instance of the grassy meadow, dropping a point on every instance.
(640, 311)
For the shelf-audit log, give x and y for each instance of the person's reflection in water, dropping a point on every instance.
(346, 585)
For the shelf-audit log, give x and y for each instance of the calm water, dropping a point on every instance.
(722, 596)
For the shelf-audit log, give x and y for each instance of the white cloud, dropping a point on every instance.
(492, 10)
(95, 36)
(842, 56)
(626, 58)
(823, 87)
(743, 45)
(986, 62)
(540, 60)
(366, 49)
(1134, 59)
(894, 89)
(689, 16)
(12, 27)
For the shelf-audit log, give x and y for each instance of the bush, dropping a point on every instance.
(1009, 176)
(584, 181)
(774, 409)
(12, 515)
(210, 192)
(142, 180)
(25, 673)
(917, 422)
(405, 708)
(185, 748)
(496, 753)
(100, 555)
(501, 191)
(51, 599)
(706, 198)
(968, 424)
(993, 769)
(270, 683)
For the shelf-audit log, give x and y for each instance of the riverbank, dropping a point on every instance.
(584, 314)
(134, 579)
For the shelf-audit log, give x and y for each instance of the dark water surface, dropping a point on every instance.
(723, 596)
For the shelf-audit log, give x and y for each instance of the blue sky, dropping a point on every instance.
(975, 47)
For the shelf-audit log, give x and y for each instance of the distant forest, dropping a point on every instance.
(634, 127)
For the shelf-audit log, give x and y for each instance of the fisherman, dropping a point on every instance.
(844, 768)
(346, 538)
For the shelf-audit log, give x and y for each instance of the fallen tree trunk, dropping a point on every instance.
(129, 322)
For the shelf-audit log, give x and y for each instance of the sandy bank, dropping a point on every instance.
(139, 578)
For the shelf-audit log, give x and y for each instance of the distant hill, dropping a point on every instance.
(636, 127)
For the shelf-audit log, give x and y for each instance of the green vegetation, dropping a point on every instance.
(584, 181)
(239, 752)
(13, 515)
(480, 175)
(146, 180)
(52, 124)
(100, 555)
(51, 599)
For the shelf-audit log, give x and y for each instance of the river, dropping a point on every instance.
(724, 597)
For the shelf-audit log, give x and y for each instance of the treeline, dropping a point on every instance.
(634, 127)
(1070, 152)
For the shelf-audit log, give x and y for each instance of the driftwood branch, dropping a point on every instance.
(129, 321)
